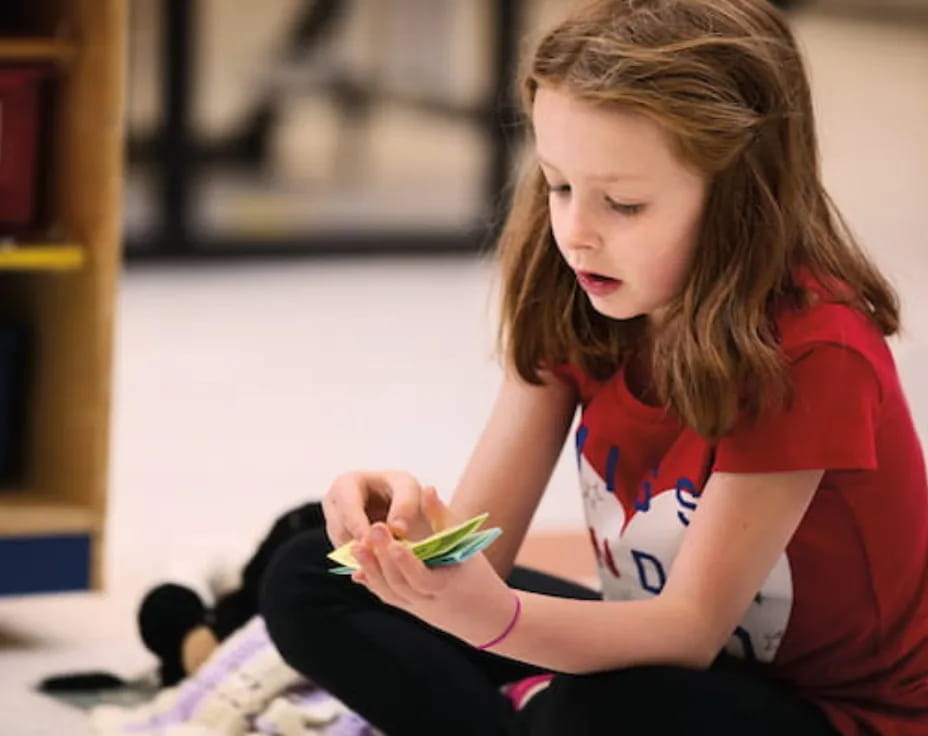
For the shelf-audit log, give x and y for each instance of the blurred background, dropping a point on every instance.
(309, 202)
(317, 125)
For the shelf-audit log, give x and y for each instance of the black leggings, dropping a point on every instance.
(408, 679)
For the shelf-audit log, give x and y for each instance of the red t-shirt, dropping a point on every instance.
(843, 616)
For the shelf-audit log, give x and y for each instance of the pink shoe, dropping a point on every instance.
(520, 692)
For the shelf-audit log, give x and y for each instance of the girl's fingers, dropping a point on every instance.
(344, 507)
(436, 512)
(376, 580)
(420, 581)
(394, 576)
(405, 493)
(406, 575)
(337, 534)
(389, 555)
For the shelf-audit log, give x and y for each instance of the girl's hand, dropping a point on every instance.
(356, 500)
(468, 600)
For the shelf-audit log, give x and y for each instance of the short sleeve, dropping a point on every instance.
(830, 422)
(584, 385)
(565, 373)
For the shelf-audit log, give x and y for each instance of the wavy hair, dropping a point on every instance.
(725, 80)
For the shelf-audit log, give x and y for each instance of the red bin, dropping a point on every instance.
(21, 121)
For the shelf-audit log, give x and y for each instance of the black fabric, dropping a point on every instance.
(168, 612)
(410, 679)
(233, 610)
(81, 682)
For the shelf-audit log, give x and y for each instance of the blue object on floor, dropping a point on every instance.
(44, 564)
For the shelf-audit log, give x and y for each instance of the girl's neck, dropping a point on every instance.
(639, 378)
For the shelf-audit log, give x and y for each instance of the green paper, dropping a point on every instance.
(448, 547)
(467, 549)
(437, 544)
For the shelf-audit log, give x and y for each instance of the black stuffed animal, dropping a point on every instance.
(178, 628)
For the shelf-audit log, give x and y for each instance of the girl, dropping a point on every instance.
(753, 484)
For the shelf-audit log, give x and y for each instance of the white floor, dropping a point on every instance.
(241, 389)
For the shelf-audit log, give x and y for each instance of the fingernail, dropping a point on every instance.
(378, 535)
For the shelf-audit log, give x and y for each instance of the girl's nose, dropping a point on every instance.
(580, 231)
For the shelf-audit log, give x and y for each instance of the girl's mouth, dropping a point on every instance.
(597, 284)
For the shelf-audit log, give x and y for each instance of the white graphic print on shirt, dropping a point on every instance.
(635, 558)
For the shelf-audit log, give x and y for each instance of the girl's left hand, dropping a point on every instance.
(468, 600)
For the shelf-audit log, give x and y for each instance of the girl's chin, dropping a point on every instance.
(615, 311)
(620, 312)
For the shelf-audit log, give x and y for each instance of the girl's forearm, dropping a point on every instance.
(579, 637)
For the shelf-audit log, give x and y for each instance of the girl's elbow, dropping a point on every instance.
(704, 649)
(691, 655)
(699, 642)
(696, 653)
(700, 658)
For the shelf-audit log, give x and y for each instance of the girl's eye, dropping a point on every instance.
(558, 188)
(624, 209)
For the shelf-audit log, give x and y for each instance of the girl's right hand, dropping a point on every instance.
(358, 499)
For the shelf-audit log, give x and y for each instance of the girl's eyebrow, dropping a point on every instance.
(598, 177)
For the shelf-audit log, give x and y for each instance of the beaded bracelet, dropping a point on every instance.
(509, 628)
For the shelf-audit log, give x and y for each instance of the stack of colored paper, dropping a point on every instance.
(447, 547)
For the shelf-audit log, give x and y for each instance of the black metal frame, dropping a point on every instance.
(176, 156)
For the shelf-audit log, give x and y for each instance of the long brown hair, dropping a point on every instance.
(725, 79)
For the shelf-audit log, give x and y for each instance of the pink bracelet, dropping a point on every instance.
(509, 628)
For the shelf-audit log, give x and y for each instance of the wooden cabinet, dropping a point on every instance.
(61, 284)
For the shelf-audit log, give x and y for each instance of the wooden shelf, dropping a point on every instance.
(37, 257)
(66, 437)
(36, 49)
(26, 513)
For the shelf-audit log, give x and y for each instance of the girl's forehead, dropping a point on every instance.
(597, 142)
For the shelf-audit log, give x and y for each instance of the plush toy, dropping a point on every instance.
(307, 712)
(178, 628)
(237, 683)
(243, 689)
(220, 673)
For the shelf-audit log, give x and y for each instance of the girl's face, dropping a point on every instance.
(625, 211)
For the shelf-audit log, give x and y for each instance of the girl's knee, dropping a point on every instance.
(587, 704)
(292, 582)
(637, 683)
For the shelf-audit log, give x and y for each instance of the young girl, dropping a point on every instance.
(753, 485)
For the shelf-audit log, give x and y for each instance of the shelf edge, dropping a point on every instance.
(37, 257)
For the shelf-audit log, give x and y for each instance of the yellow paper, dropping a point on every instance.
(424, 549)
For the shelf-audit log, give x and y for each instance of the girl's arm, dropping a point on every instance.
(742, 525)
(513, 460)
